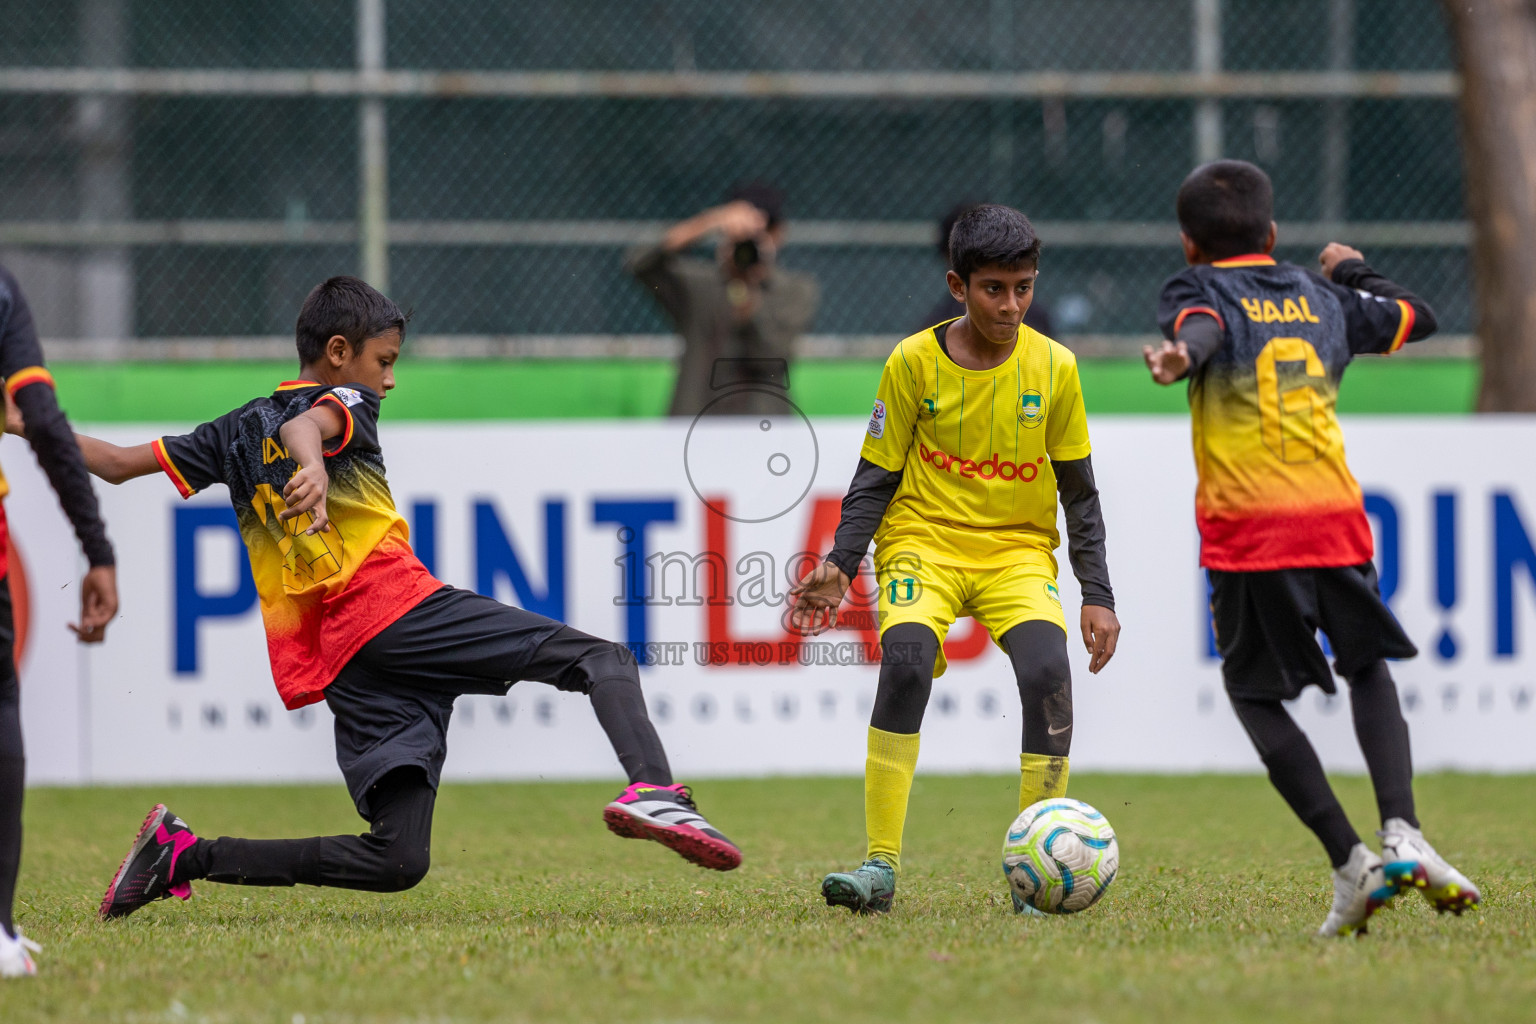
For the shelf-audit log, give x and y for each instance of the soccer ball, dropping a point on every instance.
(1059, 856)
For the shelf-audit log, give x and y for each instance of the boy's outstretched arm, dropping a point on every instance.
(103, 459)
(1199, 336)
(1086, 550)
(819, 594)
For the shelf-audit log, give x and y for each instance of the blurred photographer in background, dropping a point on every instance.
(739, 315)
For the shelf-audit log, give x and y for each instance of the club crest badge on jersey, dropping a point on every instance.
(877, 420)
(348, 396)
(1031, 409)
(1052, 594)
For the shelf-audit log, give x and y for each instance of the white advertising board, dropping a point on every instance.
(578, 519)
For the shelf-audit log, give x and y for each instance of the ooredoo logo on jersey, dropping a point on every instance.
(994, 468)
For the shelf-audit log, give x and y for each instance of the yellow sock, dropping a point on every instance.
(1040, 778)
(887, 783)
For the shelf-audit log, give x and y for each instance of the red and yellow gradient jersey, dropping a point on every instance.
(322, 596)
(974, 448)
(1275, 491)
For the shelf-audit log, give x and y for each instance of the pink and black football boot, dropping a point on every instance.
(145, 874)
(668, 815)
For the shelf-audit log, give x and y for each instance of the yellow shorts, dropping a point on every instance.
(937, 595)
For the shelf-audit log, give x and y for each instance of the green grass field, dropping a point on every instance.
(533, 912)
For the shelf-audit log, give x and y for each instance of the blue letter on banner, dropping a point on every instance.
(191, 603)
(1511, 548)
(494, 556)
(632, 518)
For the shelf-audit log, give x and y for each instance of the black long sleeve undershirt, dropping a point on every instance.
(864, 506)
(53, 442)
(1358, 274)
(48, 430)
(1202, 336)
(873, 487)
(1085, 529)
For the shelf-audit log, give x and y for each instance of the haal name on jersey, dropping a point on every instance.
(1264, 311)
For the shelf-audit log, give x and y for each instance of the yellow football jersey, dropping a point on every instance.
(975, 448)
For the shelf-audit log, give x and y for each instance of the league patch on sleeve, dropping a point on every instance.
(348, 396)
(877, 420)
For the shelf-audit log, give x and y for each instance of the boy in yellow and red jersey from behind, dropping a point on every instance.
(353, 618)
(978, 432)
(1283, 531)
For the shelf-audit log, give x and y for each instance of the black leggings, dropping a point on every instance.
(12, 763)
(392, 856)
(1038, 651)
(396, 852)
(1298, 774)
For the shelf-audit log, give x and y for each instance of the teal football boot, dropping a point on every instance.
(869, 890)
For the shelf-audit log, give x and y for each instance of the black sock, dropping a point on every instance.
(620, 708)
(606, 672)
(1297, 773)
(907, 653)
(1383, 737)
(394, 855)
(252, 861)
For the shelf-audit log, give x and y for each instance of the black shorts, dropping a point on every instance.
(393, 699)
(1267, 625)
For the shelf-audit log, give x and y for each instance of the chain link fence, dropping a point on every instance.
(174, 169)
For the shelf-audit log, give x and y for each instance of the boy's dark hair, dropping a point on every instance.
(347, 306)
(991, 235)
(766, 197)
(1226, 207)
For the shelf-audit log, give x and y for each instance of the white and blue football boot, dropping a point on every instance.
(1360, 888)
(16, 955)
(1411, 863)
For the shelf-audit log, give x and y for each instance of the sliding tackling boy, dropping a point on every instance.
(353, 618)
(978, 428)
(1283, 531)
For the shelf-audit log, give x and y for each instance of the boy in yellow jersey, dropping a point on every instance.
(977, 427)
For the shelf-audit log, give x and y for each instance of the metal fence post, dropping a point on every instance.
(106, 299)
(1341, 57)
(1208, 141)
(1002, 108)
(372, 152)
